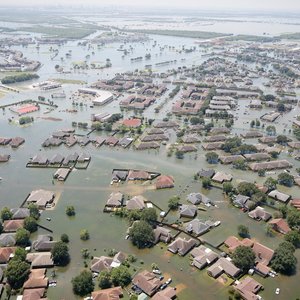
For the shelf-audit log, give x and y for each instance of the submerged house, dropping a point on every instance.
(182, 246)
(203, 257)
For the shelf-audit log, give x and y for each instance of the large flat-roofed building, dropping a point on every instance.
(101, 97)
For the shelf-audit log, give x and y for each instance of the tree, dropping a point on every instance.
(293, 237)
(64, 238)
(247, 188)
(141, 234)
(231, 143)
(240, 164)
(60, 254)
(206, 182)
(212, 157)
(6, 214)
(280, 107)
(244, 258)
(259, 197)
(70, 211)
(243, 231)
(17, 273)
(34, 211)
(104, 280)
(286, 179)
(179, 154)
(173, 202)
(284, 260)
(30, 224)
(149, 215)
(257, 123)
(85, 253)
(84, 235)
(271, 130)
(282, 139)
(270, 183)
(22, 237)
(293, 218)
(274, 154)
(20, 254)
(261, 173)
(83, 283)
(120, 276)
(270, 97)
(252, 123)
(1, 227)
(227, 187)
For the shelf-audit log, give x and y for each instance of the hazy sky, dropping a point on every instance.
(279, 5)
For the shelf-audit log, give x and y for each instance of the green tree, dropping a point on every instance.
(243, 231)
(227, 187)
(286, 179)
(85, 253)
(270, 183)
(22, 237)
(244, 258)
(84, 235)
(64, 238)
(6, 214)
(70, 211)
(212, 157)
(34, 211)
(206, 182)
(284, 260)
(83, 283)
(30, 224)
(104, 280)
(60, 254)
(247, 188)
(120, 276)
(240, 164)
(17, 273)
(271, 130)
(173, 202)
(141, 234)
(252, 123)
(293, 237)
(179, 154)
(231, 143)
(20, 254)
(261, 173)
(282, 139)
(257, 123)
(149, 215)
(293, 218)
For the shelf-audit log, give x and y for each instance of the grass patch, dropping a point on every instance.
(78, 31)
(290, 36)
(68, 81)
(251, 38)
(181, 33)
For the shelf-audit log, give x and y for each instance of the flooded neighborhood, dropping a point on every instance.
(149, 154)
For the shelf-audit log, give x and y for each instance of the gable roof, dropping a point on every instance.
(181, 246)
(114, 293)
(147, 282)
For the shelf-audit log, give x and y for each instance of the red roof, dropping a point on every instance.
(280, 225)
(132, 123)
(27, 109)
(164, 181)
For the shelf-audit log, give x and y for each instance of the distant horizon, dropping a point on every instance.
(226, 6)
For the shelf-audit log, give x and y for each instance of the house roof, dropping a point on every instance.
(115, 199)
(168, 293)
(7, 239)
(137, 202)
(221, 177)
(114, 293)
(187, 211)
(40, 260)
(41, 197)
(133, 123)
(280, 225)
(223, 265)
(263, 253)
(34, 294)
(248, 288)
(36, 279)
(197, 227)
(12, 225)
(259, 213)
(6, 253)
(275, 194)
(181, 246)
(161, 234)
(20, 213)
(203, 256)
(164, 181)
(147, 282)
